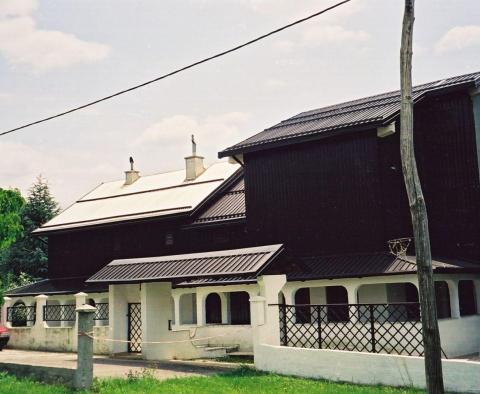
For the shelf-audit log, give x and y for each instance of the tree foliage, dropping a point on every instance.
(11, 204)
(28, 255)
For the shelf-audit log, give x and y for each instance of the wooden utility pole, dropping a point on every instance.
(418, 211)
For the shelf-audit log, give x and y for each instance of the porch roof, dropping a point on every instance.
(57, 286)
(219, 264)
(373, 264)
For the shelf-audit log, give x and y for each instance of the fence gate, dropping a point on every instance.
(134, 327)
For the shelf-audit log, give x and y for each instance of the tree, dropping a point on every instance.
(29, 254)
(418, 210)
(11, 204)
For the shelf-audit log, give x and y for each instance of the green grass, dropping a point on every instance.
(242, 380)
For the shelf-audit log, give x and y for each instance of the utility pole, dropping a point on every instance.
(418, 211)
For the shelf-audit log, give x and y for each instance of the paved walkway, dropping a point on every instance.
(107, 367)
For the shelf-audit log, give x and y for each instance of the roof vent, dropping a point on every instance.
(193, 164)
(132, 175)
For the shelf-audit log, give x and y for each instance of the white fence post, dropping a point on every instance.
(7, 301)
(41, 301)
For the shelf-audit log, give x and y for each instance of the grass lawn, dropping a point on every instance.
(243, 380)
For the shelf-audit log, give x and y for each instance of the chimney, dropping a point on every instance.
(132, 175)
(193, 164)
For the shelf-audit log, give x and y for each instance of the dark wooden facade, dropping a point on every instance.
(82, 253)
(346, 194)
(337, 195)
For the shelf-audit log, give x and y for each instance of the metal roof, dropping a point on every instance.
(236, 262)
(229, 206)
(357, 265)
(150, 196)
(375, 110)
(57, 286)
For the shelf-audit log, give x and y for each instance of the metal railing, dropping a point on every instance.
(102, 311)
(18, 316)
(59, 312)
(375, 328)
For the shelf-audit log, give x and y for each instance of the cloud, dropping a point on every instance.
(22, 43)
(275, 83)
(458, 38)
(332, 34)
(210, 132)
(17, 7)
(296, 10)
(65, 169)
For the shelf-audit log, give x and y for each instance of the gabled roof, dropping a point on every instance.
(371, 111)
(150, 196)
(218, 264)
(229, 206)
(374, 264)
(57, 286)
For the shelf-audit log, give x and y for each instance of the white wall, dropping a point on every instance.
(460, 337)
(364, 368)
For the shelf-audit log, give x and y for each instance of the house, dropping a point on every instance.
(176, 257)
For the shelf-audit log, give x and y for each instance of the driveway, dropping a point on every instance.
(104, 366)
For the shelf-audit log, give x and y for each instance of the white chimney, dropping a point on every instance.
(132, 175)
(193, 164)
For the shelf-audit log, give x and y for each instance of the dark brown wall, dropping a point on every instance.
(346, 194)
(321, 196)
(82, 253)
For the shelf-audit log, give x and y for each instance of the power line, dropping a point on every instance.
(178, 70)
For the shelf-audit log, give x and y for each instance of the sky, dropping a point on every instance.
(57, 54)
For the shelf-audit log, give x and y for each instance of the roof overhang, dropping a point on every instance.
(244, 263)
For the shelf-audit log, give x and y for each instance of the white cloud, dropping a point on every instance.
(21, 43)
(275, 83)
(458, 38)
(17, 7)
(66, 170)
(332, 34)
(211, 132)
(296, 9)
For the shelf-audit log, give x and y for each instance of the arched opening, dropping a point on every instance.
(239, 307)
(466, 298)
(337, 300)
(19, 314)
(302, 310)
(281, 298)
(213, 307)
(442, 296)
(188, 309)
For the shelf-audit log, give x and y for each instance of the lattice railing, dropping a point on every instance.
(18, 316)
(102, 311)
(59, 312)
(375, 328)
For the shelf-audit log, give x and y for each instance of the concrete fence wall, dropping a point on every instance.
(364, 368)
(358, 367)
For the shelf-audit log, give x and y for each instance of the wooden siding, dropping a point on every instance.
(346, 194)
(82, 253)
(319, 196)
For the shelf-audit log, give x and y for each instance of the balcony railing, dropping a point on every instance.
(19, 316)
(375, 328)
(102, 311)
(59, 312)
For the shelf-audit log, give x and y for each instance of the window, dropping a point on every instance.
(442, 297)
(213, 306)
(302, 313)
(466, 297)
(239, 307)
(338, 296)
